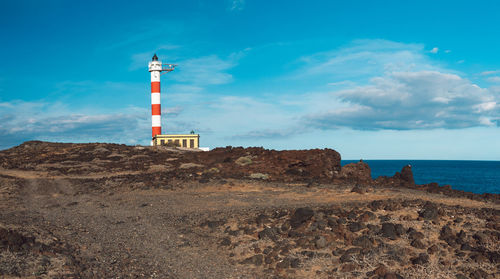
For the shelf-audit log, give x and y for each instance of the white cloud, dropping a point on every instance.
(206, 70)
(411, 100)
(363, 59)
(483, 107)
(236, 5)
(434, 50)
(486, 73)
(494, 79)
(24, 121)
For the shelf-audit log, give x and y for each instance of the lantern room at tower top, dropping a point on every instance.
(184, 140)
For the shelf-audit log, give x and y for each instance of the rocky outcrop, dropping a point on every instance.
(356, 173)
(400, 179)
(142, 167)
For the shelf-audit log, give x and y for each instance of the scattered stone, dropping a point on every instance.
(358, 189)
(355, 226)
(243, 161)
(494, 256)
(346, 258)
(259, 175)
(422, 259)
(478, 258)
(413, 234)
(332, 222)
(285, 250)
(348, 267)
(256, 260)
(352, 215)
(285, 227)
(320, 242)
(373, 229)
(283, 264)
(481, 238)
(447, 235)
(226, 241)
(338, 252)
(363, 242)
(392, 205)
(295, 263)
(466, 247)
(376, 205)
(400, 230)
(302, 242)
(190, 165)
(433, 249)
(309, 254)
(417, 244)
(270, 258)
(381, 271)
(268, 233)
(367, 216)
(300, 216)
(213, 224)
(429, 212)
(384, 218)
(262, 219)
(389, 231)
(321, 225)
(391, 276)
(478, 274)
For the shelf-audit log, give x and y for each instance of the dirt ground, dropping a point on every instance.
(64, 216)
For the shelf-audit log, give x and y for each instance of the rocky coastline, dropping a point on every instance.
(108, 210)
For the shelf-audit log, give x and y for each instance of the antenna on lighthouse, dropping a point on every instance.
(156, 67)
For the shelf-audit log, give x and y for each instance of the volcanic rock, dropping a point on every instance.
(363, 242)
(417, 244)
(255, 260)
(429, 212)
(300, 216)
(389, 231)
(356, 173)
(422, 258)
(320, 242)
(269, 233)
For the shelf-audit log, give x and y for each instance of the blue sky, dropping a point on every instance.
(371, 79)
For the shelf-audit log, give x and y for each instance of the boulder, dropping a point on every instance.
(269, 233)
(356, 173)
(300, 216)
(389, 230)
(421, 259)
(429, 212)
(363, 241)
(320, 242)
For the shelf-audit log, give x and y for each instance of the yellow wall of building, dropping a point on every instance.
(186, 141)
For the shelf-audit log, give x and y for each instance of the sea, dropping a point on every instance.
(471, 176)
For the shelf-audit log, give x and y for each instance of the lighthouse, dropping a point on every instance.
(190, 140)
(155, 68)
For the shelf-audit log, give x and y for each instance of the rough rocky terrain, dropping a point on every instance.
(116, 211)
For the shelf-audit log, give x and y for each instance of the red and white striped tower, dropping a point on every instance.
(156, 67)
